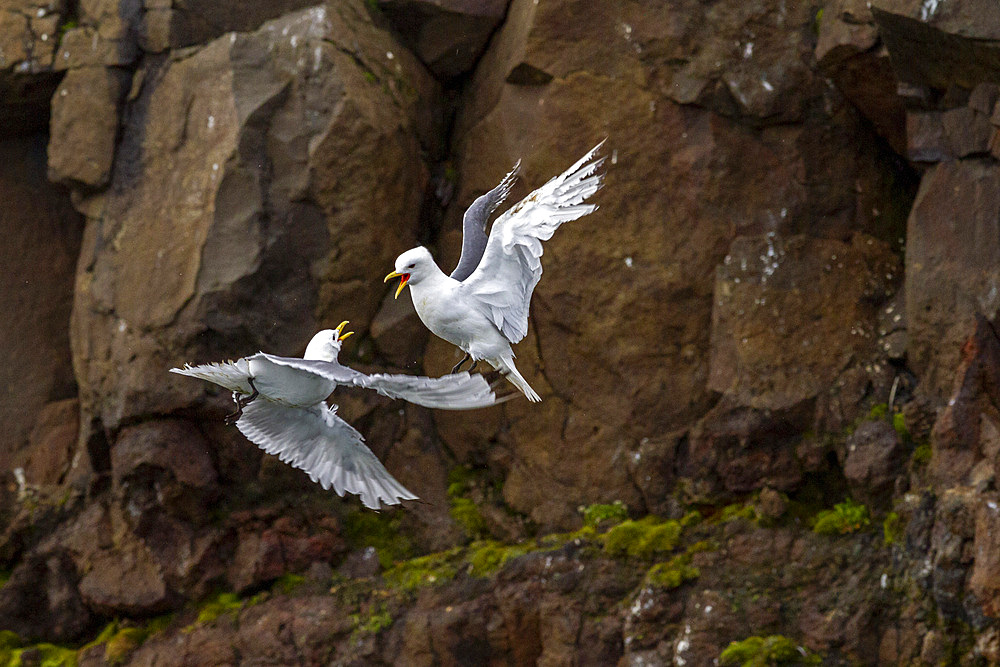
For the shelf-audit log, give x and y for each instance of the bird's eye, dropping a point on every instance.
(411, 266)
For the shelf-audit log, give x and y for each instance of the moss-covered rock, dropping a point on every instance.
(604, 514)
(673, 573)
(487, 557)
(430, 570)
(764, 651)
(845, 517)
(645, 538)
(381, 531)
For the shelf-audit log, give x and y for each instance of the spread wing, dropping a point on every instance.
(474, 225)
(512, 263)
(458, 391)
(233, 375)
(326, 447)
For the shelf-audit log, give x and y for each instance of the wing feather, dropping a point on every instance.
(323, 445)
(474, 225)
(233, 375)
(511, 266)
(459, 391)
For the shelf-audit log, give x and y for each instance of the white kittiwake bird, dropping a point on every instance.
(281, 407)
(482, 307)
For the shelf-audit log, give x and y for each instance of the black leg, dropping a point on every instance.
(241, 403)
(459, 364)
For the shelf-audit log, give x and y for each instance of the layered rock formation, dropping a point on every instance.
(787, 298)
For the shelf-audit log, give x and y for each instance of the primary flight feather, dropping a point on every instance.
(282, 408)
(483, 306)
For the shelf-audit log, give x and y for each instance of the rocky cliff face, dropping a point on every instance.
(769, 361)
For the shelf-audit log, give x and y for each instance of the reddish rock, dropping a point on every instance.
(126, 580)
(951, 268)
(49, 454)
(874, 459)
(958, 434)
(984, 582)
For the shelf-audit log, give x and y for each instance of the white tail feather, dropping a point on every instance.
(506, 366)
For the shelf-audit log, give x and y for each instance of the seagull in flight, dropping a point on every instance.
(281, 407)
(482, 307)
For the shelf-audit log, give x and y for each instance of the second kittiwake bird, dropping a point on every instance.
(281, 407)
(482, 307)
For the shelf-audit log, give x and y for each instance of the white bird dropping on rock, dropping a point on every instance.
(482, 307)
(281, 407)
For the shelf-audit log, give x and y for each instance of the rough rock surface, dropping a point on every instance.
(41, 240)
(732, 341)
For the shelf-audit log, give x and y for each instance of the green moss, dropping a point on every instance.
(4, 577)
(692, 518)
(47, 655)
(763, 651)
(595, 515)
(486, 557)
(899, 423)
(892, 529)
(736, 511)
(123, 643)
(467, 515)
(878, 411)
(288, 582)
(373, 622)
(430, 570)
(845, 517)
(922, 454)
(381, 531)
(369, 76)
(9, 640)
(673, 573)
(223, 603)
(642, 539)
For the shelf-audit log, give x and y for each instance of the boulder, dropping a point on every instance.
(951, 266)
(40, 600)
(447, 35)
(268, 180)
(874, 459)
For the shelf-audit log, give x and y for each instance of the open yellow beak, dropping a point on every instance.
(340, 328)
(402, 283)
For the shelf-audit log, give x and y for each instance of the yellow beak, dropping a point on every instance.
(340, 328)
(402, 283)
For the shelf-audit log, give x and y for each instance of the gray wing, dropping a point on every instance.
(458, 391)
(326, 447)
(331, 370)
(233, 375)
(502, 284)
(474, 225)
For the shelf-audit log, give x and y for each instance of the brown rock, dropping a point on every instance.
(968, 131)
(40, 600)
(951, 269)
(631, 283)
(984, 583)
(958, 433)
(41, 240)
(447, 35)
(782, 305)
(165, 463)
(847, 50)
(925, 137)
(85, 125)
(940, 49)
(286, 167)
(875, 457)
(49, 454)
(126, 580)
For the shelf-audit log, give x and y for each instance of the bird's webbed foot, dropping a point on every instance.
(241, 402)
